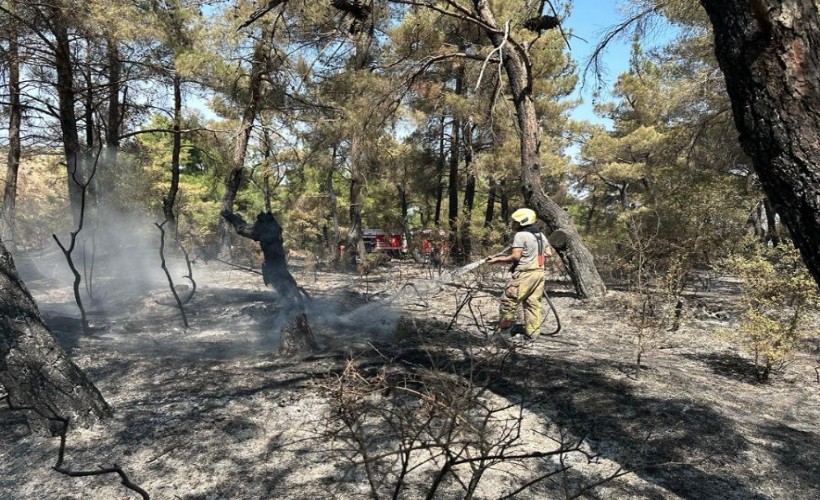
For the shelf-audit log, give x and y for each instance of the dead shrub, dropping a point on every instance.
(430, 433)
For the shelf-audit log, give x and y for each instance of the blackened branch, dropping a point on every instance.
(168, 274)
(190, 274)
(59, 429)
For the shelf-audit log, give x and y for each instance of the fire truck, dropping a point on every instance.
(376, 240)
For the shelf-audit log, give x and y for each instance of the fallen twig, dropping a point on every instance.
(243, 268)
(58, 466)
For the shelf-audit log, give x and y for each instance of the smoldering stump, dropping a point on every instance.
(297, 336)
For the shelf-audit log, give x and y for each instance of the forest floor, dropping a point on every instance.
(211, 412)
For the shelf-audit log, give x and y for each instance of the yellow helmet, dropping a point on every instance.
(524, 216)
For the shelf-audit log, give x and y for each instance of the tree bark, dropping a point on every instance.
(439, 174)
(75, 175)
(297, 337)
(35, 372)
(505, 201)
(769, 52)
(259, 63)
(112, 130)
(169, 200)
(333, 236)
(114, 118)
(576, 256)
(15, 122)
(452, 178)
(490, 212)
(355, 234)
(358, 158)
(465, 236)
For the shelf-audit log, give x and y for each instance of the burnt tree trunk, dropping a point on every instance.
(769, 52)
(576, 256)
(297, 337)
(34, 370)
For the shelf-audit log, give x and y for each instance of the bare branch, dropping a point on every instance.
(62, 431)
(168, 274)
(613, 33)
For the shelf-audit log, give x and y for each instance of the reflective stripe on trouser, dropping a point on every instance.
(527, 287)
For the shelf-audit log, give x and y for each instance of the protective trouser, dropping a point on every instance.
(527, 287)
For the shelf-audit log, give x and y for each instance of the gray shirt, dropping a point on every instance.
(529, 245)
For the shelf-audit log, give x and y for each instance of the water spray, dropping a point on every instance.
(476, 264)
(558, 238)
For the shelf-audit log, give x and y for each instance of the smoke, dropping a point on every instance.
(116, 255)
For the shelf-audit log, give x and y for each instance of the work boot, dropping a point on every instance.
(517, 330)
(504, 326)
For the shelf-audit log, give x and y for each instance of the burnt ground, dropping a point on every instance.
(212, 412)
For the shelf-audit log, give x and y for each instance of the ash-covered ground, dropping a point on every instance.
(213, 412)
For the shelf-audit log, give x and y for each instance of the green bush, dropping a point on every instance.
(778, 294)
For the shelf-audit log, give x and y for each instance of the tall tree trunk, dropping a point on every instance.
(35, 372)
(333, 232)
(405, 210)
(439, 173)
(259, 63)
(114, 120)
(15, 122)
(505, 201)
(469, 193)
(769, 52)
(267, 190)
(169, 200)
(112, 131)
(358, 158)
(90, 160)
(88, 102)
(490, 211)
(576, 256)
(354, 248)
(452, 178)
(75, 174)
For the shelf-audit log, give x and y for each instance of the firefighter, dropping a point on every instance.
(528, 252)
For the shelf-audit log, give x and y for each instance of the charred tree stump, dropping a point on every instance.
(297, 337)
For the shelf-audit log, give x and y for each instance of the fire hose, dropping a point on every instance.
(556, 239)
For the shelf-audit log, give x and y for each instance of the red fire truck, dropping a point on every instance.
(376, 240)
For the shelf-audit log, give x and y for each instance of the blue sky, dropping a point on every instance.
(589, 20)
